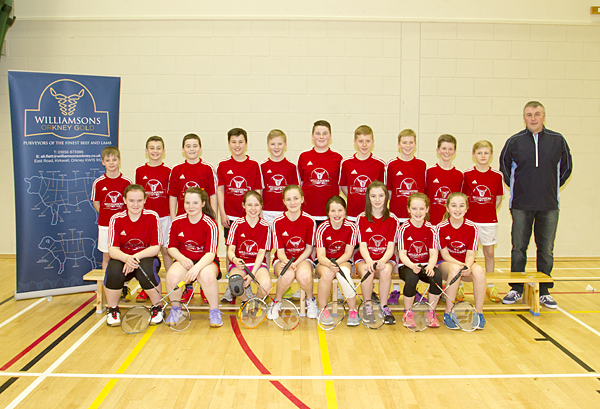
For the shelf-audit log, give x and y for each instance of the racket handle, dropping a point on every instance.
(247, 270)
(288, 265)
(456, 277)
(181, 284)
(365, 277)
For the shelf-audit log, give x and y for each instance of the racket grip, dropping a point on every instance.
(365, 277)
(181, 284)
(288, 265)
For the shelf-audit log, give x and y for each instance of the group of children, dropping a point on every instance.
(401, 216)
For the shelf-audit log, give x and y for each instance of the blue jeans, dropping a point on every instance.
(544, 229)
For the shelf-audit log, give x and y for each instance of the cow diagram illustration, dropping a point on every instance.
(55, 192)
(68, 249)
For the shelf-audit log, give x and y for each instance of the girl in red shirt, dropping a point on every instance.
(193, 241)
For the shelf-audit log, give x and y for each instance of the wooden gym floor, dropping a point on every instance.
(61, 354)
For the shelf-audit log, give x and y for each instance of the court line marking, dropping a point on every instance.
(48, 372)
(112, 382)
(578, 321)
(329, 387)
(272, 377)
(17, 315)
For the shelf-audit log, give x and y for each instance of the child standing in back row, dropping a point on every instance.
(154, 178)
(359, 170)
(485, 187)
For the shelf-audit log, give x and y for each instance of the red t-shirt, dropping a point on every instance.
(357, 174)
(133, 237)
(185, 175)
(377, 234)
(482, 189)
(109, 192)
(276, 176)
(417, 241)
(403, 178)
(439, 183)
(155, 180)
(457, 241)
(249, 240)
(237, 178)
(194, 240)
(319, 174)
(335, 241)
(293, 236)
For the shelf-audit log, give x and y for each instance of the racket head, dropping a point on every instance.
(422, 314)
(288, 316)
(371, 314)
(463, 314)
(253, 313)
(332, 314)
(136, 320)
(177, 317)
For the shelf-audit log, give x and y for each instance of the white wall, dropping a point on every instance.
(470, 79)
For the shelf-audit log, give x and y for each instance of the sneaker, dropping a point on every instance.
(204, 300)
(289, 294)
(141, 297)
(273, 312)
(460, 295)
(409, 319)
(387, 316)
(125, 294)
(420, 298)
(548, 302)
(227, 297)
(156, 312)
(353, 319)
(433, 320)
(312, 311)
(187, 295)
(214, 316)
(113, 317)
(512, 297)
(492, 292)
(374, 297)
(326, 318)
(249, 292)
(369, 317)
(449, 322)
(174, 316)
(394, 297)
(479, 321)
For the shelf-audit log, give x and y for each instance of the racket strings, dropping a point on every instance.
(136, 320)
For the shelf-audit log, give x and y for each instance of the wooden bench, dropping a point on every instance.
(530, 300)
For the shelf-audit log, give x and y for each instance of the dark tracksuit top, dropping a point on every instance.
(534, 171)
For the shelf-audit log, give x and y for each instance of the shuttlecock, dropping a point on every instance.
(590, 288)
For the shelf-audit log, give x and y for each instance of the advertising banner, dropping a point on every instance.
(60, 124)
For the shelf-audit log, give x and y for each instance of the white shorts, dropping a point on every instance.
(165, 226)
(488, 234)
(103, 239)
(270, 215)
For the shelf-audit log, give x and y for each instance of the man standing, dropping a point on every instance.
(535, 163)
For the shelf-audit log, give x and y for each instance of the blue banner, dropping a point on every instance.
(60, 124)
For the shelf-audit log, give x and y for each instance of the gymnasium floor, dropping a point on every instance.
(60, 354)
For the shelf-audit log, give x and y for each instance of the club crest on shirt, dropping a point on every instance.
(154, 189)
(295, 246)
(319, 177)
(336, 247)
(134, 245)
(278, 183)
(248, 249)
(359, 186)
(457, 247)
(238, 186)
(481, 195)
(418, 251)
(407, 187)
(441, 195)
(114, 200)
(193, 247)
(377, 245)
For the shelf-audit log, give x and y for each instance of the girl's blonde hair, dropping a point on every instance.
(452, 196)
(419, 196)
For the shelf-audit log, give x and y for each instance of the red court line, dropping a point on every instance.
(259, 365)
(43, 337)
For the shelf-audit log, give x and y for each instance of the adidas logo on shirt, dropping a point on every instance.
(474, 182)
(436, 181)
(230, 172)
(328, 238)
(123, 233)
(285, 233)
(309, 163)
(399, 173)
(409, 238)
(242, 235)
(103, 189)
(181, 234)
(145, 177)
(182, 177)
(354, 172)
(369, 230)
(269, 171)
(448, 238)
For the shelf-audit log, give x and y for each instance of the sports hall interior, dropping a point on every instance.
(463, 67)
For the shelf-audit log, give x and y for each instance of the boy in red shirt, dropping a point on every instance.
(107, 195)
(193, 172)
(485, 187)
(319, 172)
(359, 170)
(154, 177)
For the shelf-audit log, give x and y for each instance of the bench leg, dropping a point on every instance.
(302, 303)
(100, 297)
(532, 297)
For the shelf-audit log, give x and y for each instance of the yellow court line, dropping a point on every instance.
(111, 383)
(329, 387)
